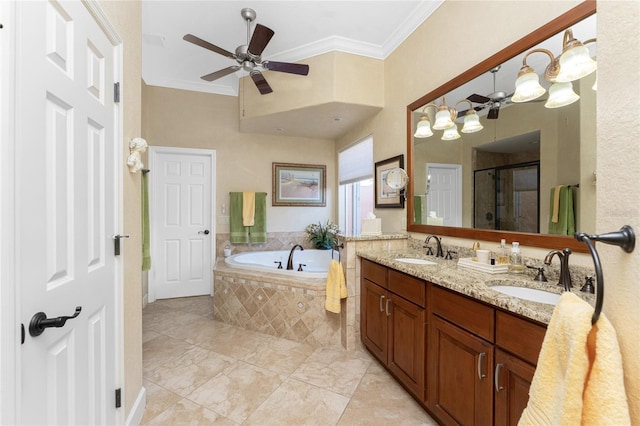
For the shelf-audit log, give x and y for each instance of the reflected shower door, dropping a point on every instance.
(484, 192)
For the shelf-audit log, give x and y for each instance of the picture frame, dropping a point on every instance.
(387, 197)
(302, 185)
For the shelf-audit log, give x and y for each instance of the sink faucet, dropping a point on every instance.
(565, 275)
(439, 252)
(290, 261)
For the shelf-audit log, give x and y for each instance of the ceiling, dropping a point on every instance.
(303, 29)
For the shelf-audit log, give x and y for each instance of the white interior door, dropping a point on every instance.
(182, 232)
(66, 156)
(444, 196)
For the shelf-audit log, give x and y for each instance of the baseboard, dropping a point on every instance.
(137, 411)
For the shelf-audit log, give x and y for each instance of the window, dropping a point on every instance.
(355, 193)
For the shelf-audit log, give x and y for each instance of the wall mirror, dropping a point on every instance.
(500, 181)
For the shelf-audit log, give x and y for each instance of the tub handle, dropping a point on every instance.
(279, 262)
(300, 266)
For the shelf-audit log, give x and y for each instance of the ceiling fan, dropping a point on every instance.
(248, 56)
(493, 100)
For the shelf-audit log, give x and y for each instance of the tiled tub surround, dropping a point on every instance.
(275, 304)
(478, 285)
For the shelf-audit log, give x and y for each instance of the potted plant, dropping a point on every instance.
(323, 236)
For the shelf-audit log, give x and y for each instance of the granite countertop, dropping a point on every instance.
(447, 274)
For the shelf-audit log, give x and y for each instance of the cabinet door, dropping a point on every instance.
(512, 380)
(406, 344)
(373, 319)
(460, 375)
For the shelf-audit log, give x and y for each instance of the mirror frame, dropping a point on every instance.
(562, 22)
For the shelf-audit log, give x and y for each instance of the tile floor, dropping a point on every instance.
(201, 371)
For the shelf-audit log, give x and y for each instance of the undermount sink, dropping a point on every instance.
(531, 294)
(415, 261)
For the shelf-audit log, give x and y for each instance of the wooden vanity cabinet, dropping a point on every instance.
(479, 360)
(393, 323)
(460, 366)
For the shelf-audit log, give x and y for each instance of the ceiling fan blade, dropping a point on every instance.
(300, 69)
(202, 43)
(478, 99)
(261, 83)
(259, 40)
(220, 73)
(493, 113)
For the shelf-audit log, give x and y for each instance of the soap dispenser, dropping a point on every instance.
(503, 254)
(516, 265)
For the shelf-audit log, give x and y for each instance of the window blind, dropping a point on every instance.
(356, 162)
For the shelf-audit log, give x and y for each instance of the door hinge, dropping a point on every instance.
(118, 398)
(116, 243)
(116, 92)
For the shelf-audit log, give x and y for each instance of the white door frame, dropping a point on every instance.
(10, 297)
(154, 151)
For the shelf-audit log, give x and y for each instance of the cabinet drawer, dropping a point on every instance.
(466, 313)
(374, 272)
(519, 336)
(408, 287)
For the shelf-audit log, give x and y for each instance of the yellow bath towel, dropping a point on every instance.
(579, 378)
(555, 214)
(248, 208)
(336, 287)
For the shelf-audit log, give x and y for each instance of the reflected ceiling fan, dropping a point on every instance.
(493, 101)
(248, 56)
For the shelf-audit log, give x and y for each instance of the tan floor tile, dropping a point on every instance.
(161, 349)
(334, 369)
(161, 320)
(200, 330)
(280, 355)
(186, 412)
(236, 342)
(190, 370)
(238, 392)
(299, 403)
(158, 400)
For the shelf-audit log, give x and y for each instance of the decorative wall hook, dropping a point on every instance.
(134, 161)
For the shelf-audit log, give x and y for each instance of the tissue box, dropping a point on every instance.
(371, 227)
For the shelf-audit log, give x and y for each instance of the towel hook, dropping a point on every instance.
(624, 238)
(337, 248)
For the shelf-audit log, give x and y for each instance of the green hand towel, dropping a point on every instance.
(258, 232)
(417, 209)
(238, 233)
(146, 235)
(566, 224)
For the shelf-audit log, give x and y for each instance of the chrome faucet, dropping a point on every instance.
(565, 275)
(290, 261)
(439, 252)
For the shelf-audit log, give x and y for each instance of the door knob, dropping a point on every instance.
(205, 232)
(40, 321)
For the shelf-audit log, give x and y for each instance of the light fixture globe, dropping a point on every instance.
(444, 118)
(471, 122)
(451, 133)
(575, 60)
(561, 94)
(528, 86)
(423, 128)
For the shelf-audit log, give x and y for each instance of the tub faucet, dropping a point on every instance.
(565, 275)
(290, 261)
(439, 252)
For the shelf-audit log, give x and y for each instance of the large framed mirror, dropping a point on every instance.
(528, 162)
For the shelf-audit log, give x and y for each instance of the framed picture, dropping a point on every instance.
(299, 185)
(385, 195)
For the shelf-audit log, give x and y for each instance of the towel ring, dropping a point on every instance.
(624, 238)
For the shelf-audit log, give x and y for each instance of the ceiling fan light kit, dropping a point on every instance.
(249, 56)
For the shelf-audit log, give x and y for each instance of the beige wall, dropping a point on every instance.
(126, 18)
(181, 118)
